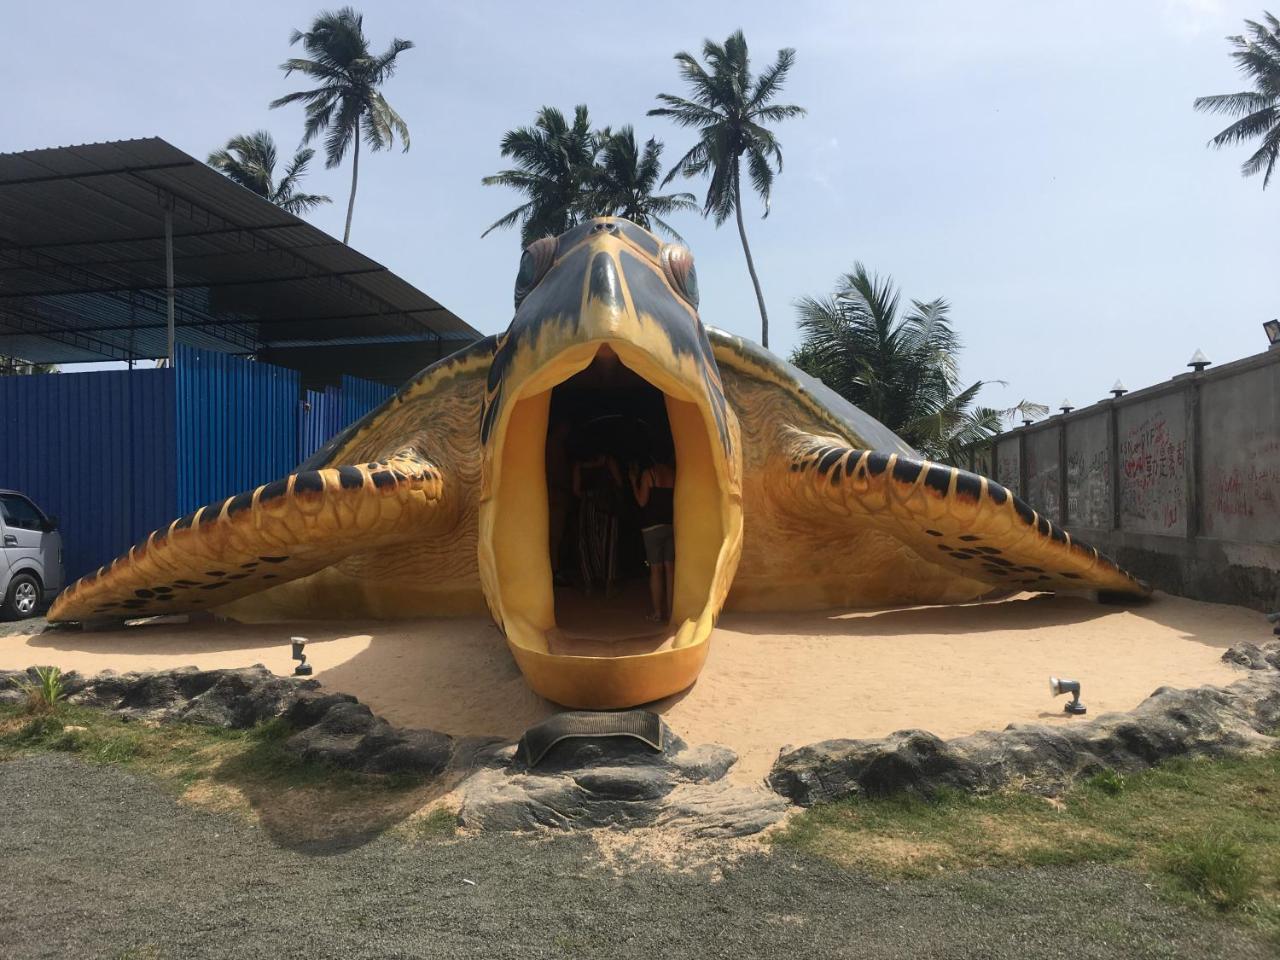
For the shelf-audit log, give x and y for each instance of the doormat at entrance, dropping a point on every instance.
(590, 725)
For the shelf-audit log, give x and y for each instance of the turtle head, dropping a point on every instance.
(605, 289)
(606, 321)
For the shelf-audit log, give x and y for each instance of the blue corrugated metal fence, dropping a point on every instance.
(97, 450)
(117, 454)
(237, 425)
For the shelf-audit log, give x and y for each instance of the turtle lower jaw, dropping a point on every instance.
(606, 669)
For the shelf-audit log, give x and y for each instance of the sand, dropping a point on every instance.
(771, 680)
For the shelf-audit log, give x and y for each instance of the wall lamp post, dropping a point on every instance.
(1273, 332)
(1058, 687)
(1119, 390)
(1066, 406)
(1198, 361)
(303, 669)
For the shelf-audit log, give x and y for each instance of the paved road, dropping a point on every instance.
(96, 862)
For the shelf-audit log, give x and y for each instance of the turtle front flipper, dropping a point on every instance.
(965, 523)
(256, 540)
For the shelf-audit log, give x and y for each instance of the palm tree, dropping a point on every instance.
(903, 371)
(625, 180)
(347, 104)
(250, 160)
(555, 167)
(730, 109)
(1258, 58)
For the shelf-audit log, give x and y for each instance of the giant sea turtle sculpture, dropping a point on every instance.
(787, 497)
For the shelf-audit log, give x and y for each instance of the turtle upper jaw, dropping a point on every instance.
(621, 318)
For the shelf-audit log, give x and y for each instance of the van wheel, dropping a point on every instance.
(22, 599)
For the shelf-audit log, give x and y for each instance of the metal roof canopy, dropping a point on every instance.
(83, 270)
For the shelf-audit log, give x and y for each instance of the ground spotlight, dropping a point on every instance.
(303, 669)
(1058, 687)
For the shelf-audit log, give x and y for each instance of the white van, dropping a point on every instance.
(30, 556)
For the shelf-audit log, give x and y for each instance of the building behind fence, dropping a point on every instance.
(117, 454)
(1180, 482)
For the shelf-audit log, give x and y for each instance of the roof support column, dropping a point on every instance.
(168, 271)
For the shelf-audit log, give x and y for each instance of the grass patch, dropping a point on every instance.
(1216, 871)
(439, 824)
(245, 771)
(1209, 828)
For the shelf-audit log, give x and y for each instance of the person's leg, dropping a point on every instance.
(559, 510)
(584, 545)
(655, 590)
(669, 577)
(653, 557)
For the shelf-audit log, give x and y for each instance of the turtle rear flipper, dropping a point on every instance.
(966, 523)
(278, 532)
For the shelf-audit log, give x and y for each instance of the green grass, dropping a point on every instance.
(1210, 830)
(440, 824)
(1213, 870)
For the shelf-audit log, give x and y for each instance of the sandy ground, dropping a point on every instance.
(771, 680)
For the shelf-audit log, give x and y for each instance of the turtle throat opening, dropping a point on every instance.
(568, 535)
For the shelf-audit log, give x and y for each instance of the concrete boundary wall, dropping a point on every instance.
(1180, 482)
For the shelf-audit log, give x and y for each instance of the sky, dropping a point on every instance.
(1037, 164)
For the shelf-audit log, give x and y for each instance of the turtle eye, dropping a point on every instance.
(677, 262)
(535, 263)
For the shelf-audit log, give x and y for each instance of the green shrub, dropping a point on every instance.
(39, 730)
(43, 693)
(1110, 782)
(1216, 870)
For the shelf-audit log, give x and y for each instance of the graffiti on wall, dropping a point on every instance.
(1243, 498)
(1153, 475)
(1042, 474)
(1008, 467)
(1089, 487)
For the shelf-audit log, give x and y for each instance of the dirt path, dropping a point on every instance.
(100, 863)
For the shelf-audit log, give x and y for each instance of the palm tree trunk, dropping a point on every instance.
(355, 172)
(751, 267)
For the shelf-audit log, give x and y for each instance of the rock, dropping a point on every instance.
(704, 763)
(239, 699)
(311, 705)
(420, 752)
(615, 781)
(348, 735)
(1205, 721)
(720, 810)
(1247, 655)
(626, 783)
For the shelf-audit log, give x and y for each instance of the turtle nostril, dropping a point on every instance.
(604, 228)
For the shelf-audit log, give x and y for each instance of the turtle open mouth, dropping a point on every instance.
(562, 555)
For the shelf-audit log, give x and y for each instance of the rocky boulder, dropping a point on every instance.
(232, 699)
(338, 729)
(1205, 721)
(588, 783)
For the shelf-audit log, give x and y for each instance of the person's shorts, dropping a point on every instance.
(659, 544)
